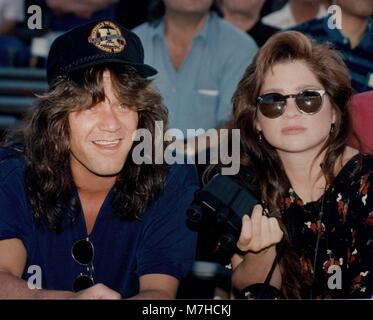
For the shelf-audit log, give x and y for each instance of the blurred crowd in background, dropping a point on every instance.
(200, 48)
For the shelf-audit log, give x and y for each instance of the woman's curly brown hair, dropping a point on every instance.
(261, 158)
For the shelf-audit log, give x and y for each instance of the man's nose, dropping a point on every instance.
(109, 120)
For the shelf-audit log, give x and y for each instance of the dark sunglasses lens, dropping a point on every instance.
(82, 282)
(309, 101)
(82, 252)
(272, 105)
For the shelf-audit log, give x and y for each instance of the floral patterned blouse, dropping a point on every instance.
(342, 235)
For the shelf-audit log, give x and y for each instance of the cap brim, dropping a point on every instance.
(144, 69)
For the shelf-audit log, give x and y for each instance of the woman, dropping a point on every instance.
(316, 227)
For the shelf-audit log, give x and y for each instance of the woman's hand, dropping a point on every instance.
(258, 232)
(258, 239)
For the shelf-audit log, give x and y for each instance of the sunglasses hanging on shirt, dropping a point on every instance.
(82, 252)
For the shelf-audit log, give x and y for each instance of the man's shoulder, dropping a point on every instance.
(11, 161)
(180, 185)
(141, 29)
(146, 28)
(234, 37)
(182, 175)
(230, 47)
(367, 40)
(315, 27)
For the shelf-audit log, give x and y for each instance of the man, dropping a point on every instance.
(354, 40)
(77, 213)
(66, 14)
(13, 52)
(295, 12)
(200, 58)
(245, 15)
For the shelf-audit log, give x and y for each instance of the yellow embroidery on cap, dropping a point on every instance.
(106, 36)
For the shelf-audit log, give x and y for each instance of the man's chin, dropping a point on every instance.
(106, 172)
(108, 175)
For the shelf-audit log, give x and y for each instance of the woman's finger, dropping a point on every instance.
(275, 230)
(256, 220)
(246, 233)
(265, 231)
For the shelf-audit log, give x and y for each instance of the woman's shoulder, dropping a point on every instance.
(353, 159)
(356, 168)
(367, 162)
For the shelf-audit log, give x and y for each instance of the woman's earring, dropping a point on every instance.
(260, 136)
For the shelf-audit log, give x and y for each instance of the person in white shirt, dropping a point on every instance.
(11, 12)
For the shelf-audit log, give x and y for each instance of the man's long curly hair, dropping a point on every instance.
(49, 181)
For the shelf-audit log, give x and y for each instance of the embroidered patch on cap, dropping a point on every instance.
(106, 36)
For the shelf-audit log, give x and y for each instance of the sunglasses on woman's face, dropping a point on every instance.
(83, 252)
(272, 105)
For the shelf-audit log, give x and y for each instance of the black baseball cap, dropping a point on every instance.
(95, 43)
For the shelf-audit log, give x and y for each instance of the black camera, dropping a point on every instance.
(217, 211)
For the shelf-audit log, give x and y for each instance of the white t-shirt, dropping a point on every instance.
(12, 10)
(284, 19)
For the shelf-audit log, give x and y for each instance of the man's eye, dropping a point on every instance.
(123, 107)
(92, 107)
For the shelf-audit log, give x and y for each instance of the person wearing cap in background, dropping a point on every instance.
(79, 218)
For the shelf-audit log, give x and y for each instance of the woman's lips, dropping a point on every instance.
(293, 130)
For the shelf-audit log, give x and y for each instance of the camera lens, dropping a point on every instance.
(227, 241)
(195, 214)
